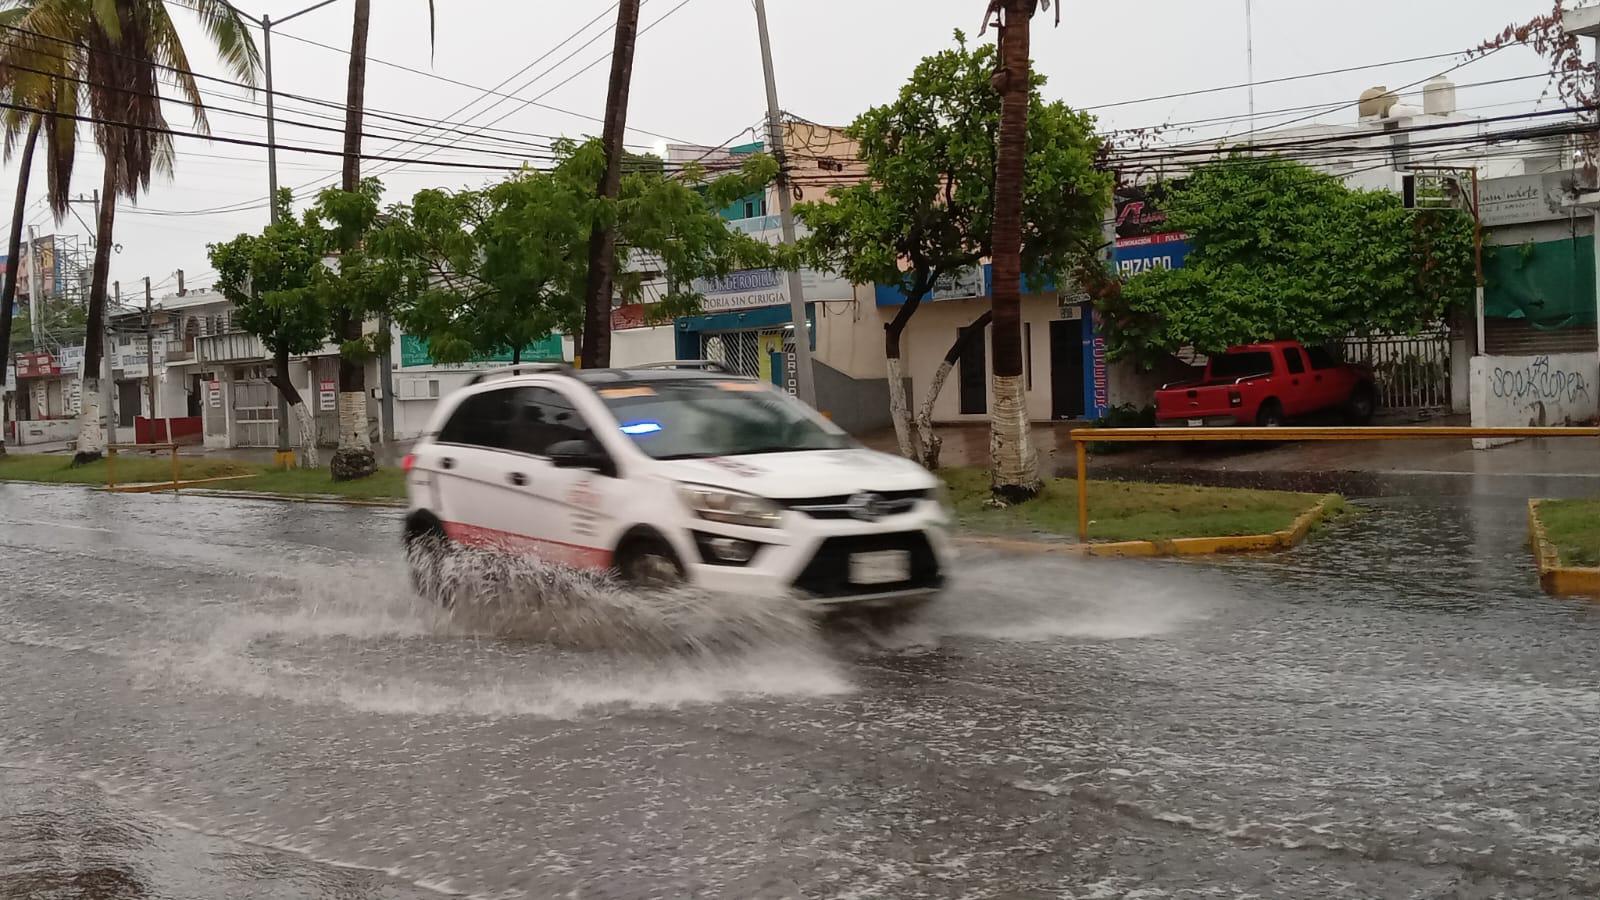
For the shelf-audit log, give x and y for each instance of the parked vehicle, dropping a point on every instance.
(1268, 384)
(672, 475)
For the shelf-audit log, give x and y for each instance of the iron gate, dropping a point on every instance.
(1412, 371)
(255, 412)
(754, 354)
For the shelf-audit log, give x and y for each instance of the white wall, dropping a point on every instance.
(1513, 391)
(47, 431)
(931, 331)
(639, 346)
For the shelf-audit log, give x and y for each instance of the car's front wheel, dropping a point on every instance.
(648, 561)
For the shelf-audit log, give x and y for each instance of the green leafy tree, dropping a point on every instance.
(492, 271)
(1281, 251)
(926, 207)
(274, 282)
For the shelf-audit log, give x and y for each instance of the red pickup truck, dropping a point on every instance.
(1268, 384)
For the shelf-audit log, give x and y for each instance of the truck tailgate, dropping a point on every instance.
(1195, 402)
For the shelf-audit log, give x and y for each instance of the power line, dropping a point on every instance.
(447, 80)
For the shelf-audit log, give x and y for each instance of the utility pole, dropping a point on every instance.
(35, 301)
(805, 386)
(1250, 56)
(149, 354)
(596, 349)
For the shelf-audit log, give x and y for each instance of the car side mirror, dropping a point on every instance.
(580, 454)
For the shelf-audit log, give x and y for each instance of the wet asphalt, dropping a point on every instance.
(209, 698)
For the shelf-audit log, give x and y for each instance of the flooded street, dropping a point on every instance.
(205, 698)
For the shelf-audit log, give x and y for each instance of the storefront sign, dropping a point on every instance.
(36, 365)
(214, 394)
(414, 353)
(75, 396)
(1524, 198)
(134, 363)
(748, 289)
(962, 284)
(328, 394)
(1150, 252)
(71, 360)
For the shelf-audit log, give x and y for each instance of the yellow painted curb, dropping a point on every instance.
(1201, 546)
(158, 487)
(1557, 580)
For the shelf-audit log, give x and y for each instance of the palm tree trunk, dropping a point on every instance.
(91, 436)
(8, 293)
(1016, 465)
(354, 459)
(596, 349)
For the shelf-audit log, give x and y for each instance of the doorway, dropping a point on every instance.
(1066, 369)
(974, 375)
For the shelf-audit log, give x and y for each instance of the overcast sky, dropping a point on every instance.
(697, 78)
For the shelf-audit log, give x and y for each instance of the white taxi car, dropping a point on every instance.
(676, 473)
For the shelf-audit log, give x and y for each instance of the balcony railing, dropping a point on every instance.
(235, 346)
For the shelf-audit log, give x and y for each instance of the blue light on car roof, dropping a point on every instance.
(636, 429)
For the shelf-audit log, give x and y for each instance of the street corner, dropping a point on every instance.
(1558, 531)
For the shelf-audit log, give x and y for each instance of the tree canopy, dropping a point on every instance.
(491, 271)
(271, 279)
(926, 206)
(1281, 251)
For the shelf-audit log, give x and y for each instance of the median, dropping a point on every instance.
(153, 471)
(1138, 519)
(1566, 543)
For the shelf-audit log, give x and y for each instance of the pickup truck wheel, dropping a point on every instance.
(1362, 405)
(1270, 415)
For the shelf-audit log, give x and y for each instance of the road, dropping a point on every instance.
(210, 698)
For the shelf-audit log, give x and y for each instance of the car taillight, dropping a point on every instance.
(408, 462)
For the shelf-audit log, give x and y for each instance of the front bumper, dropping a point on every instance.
(811, 557)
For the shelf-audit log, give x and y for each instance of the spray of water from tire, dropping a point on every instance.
(489, 594)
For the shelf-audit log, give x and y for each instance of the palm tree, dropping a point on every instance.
(1016, 464)
(354, 458)
(114, 58)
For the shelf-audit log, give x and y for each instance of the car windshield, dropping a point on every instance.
(1238, 365)
(699, 418)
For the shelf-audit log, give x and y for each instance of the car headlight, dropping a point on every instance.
(730, 507)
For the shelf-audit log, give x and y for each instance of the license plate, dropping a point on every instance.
(880, 567)
(1196, 423)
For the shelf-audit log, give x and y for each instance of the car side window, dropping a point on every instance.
(545, 417)
(482, 420)
(1291, 356)
(1321, 358)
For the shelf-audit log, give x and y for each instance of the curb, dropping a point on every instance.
(1200, 546)
(159, 487)
(300, 498)
(1555, 579)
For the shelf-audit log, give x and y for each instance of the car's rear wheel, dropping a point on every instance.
(427, 544)
(648, 561)
(1363, 404)
(1270, 415)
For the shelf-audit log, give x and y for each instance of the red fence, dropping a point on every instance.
(185, 430)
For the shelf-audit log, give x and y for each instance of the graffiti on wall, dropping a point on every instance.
(1539, 381)
(1554, 389)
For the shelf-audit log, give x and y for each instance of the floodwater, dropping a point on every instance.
(205, 698)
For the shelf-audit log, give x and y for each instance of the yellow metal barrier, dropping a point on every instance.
(111, 460)
(1082, 437)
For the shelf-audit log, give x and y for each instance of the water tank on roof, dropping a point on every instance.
(1376, 102)
(1439, 97)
